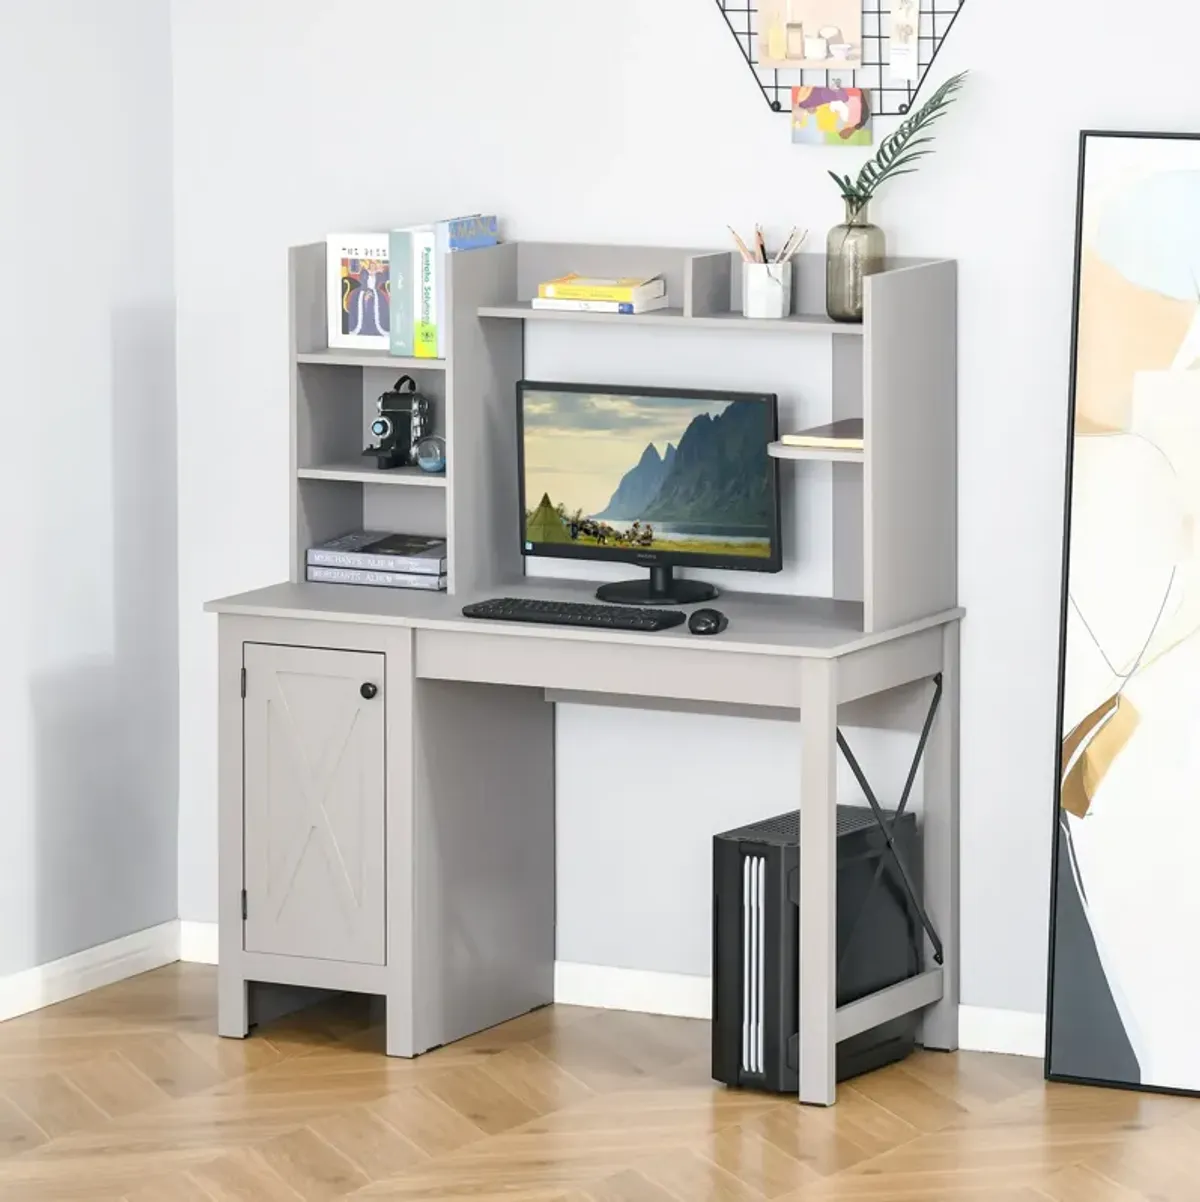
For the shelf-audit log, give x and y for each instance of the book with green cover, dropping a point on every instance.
(401, 248)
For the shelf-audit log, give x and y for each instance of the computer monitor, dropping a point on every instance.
(664, 477)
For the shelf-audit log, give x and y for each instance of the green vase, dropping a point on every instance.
(854, 250)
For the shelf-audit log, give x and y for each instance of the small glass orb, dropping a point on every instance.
(431, 454)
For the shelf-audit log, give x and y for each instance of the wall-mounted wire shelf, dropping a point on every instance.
(888, 97)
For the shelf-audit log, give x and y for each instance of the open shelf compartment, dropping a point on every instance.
(336, 489)
(704, 288)
(797, 322)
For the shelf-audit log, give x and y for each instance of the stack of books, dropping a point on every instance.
(583, 294)
(384, 560)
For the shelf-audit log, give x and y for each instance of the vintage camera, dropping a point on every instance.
(402, 422)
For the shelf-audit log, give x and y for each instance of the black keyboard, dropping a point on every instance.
(573, 613)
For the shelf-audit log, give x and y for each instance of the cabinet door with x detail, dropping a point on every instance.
(314, 803)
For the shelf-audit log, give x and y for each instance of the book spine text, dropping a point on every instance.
(318, 575)
(361, 560)
(425, 333)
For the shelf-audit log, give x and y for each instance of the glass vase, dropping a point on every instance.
(854, 250)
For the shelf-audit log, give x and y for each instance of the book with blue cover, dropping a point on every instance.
(470, 233)
(458, 233)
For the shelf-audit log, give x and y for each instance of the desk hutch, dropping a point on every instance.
(387, 766)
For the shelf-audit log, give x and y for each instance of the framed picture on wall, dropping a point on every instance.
(1124, 981)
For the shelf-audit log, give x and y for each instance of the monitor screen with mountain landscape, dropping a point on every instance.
(649, 474)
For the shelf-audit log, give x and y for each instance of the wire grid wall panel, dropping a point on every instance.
(888, 97)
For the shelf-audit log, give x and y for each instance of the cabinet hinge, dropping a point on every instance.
(243, 684)
(243, 905)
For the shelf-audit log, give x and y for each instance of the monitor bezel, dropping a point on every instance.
(650, 559)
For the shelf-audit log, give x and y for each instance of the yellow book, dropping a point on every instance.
(631, 290)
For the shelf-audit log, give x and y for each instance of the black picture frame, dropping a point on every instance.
(1065, 902)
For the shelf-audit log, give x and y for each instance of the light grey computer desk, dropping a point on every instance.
(457, 932)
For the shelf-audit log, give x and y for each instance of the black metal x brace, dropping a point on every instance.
(860, 776)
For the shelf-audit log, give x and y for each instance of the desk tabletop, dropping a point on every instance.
(804, 627)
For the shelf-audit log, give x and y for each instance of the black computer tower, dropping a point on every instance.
(755, 913)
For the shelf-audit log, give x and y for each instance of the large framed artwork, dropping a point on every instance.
(1124, 984)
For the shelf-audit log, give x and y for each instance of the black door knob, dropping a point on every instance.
(368, 690)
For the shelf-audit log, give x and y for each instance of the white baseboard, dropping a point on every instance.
(30, 990)
(198, 942)
(981, 1029)
(606, 988)
(1011, 1032)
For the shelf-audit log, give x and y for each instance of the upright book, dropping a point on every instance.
(426, 287)
(457, 234)
(358, 291)
(403, 296)
(468, 233)
(418, 326)
(376, 551)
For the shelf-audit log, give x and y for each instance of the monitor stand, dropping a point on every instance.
(659, 588)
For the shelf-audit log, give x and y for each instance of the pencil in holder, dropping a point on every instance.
(766, 290)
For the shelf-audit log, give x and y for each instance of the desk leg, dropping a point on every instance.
(818, 881)
(939, 1026)
(233, 1005)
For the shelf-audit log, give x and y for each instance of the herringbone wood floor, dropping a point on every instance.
(127, 1093)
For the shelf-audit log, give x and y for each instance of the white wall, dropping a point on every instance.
(89, 692)
(621, 120)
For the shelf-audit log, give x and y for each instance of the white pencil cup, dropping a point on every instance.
(766, 290)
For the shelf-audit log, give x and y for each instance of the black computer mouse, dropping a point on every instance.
(707, 621)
